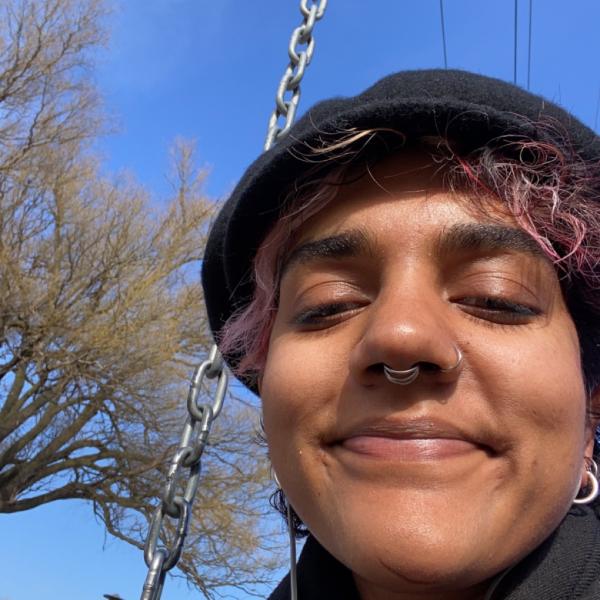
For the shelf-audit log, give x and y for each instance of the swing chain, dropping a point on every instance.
(160, 556)
(290, 82)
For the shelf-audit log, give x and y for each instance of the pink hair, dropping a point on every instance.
(547, 188)
(247, 332)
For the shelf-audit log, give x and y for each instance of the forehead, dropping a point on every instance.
(406, 190)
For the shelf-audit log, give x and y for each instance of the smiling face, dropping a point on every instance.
(440, 484)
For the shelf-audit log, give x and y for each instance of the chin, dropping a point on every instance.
(418, 564)
(419, 559)
(419, 551)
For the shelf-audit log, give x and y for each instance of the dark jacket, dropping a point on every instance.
(565, 567)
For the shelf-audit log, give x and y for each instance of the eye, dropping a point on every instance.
(499, 310)
(325, 315)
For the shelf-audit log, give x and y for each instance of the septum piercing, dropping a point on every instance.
(401, 377)
(407, 376)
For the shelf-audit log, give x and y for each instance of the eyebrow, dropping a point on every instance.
(348, 244)
(461, 237)
(484, 237)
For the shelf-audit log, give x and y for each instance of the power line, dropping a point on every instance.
(443, 33)
(529, 45)
(515, 49)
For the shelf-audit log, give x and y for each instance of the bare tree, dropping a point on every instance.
(101, 315)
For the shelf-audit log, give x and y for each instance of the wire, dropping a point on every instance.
(529, 45)
(597, 111)
(515, 50)
(443, 34)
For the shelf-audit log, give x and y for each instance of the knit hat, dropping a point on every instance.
(457, 105)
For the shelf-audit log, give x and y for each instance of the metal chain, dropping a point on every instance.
(162, 555)
(285, 107)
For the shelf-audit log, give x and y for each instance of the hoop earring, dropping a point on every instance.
(292, 542)
(592, 476)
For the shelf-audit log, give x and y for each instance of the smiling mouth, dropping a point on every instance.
(417, 439)
(409, 449)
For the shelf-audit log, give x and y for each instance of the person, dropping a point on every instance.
(409, 280)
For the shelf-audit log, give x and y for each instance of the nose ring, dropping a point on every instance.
(407, 376)
(456, 365)
(401, 377)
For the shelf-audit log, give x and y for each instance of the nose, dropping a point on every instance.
(408, 337)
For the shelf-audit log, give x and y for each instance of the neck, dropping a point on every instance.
(369, 591)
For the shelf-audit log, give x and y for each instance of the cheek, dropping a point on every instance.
(537, 393)
(300, 375)
(546, 380)
(280, 392)
(299, 389)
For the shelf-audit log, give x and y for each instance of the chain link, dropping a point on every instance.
(288, 91)
(162, 554)
(155, 579)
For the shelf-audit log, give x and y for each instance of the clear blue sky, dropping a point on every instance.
(208, 70)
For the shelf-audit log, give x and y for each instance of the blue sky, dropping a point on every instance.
(208, 70)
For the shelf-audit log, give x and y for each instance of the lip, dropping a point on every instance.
(411, 449)
(421, 438)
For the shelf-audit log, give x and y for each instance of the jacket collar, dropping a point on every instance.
(564, 567)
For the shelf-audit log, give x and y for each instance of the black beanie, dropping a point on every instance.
(465, 107)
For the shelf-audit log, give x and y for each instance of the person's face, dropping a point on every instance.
(442, 483)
